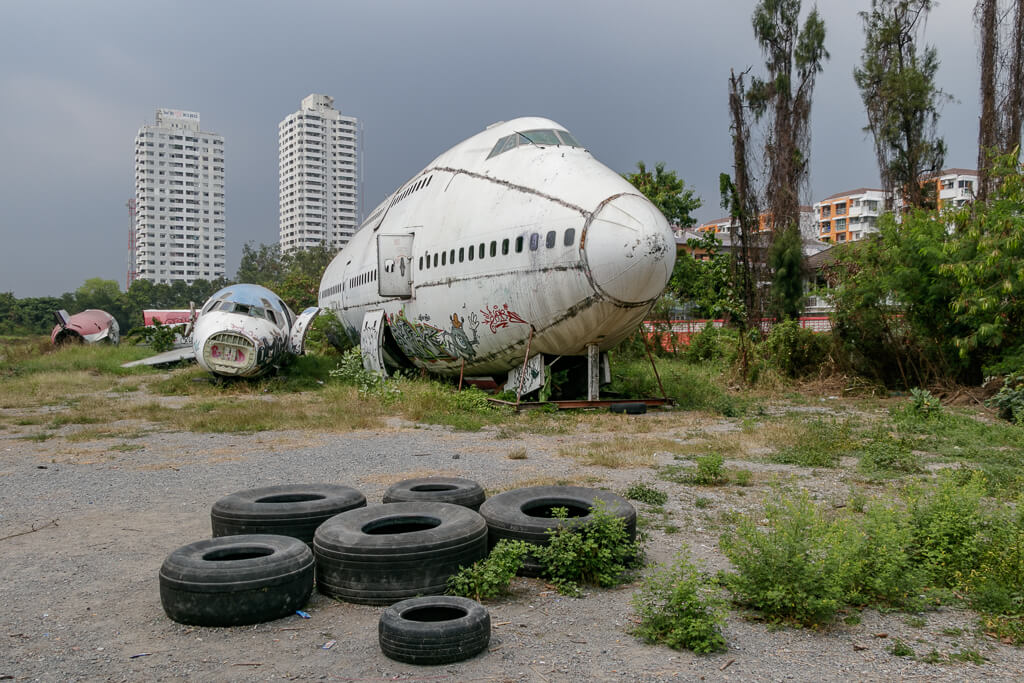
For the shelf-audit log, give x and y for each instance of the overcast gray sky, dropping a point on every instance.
(640, 80)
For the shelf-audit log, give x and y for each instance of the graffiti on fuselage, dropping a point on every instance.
(429, 343)
(497, 318)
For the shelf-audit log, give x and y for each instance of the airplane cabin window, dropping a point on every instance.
(570, 237)
(451, 257)
(462, 254)
(549, 241)
(480, 251)
(421, 263)
(534, 241)
(435, 260)
(444, 257)
(504, 247)
(519, 244)
(494, 248)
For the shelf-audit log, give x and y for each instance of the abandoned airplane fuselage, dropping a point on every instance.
(515, 237)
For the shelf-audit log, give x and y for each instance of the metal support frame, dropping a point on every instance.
(522, 373)
(593, 372)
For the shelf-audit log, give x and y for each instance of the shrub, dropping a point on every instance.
(709, 470)
(1009, 401)
(794, 350)
(791, 571)
(948, 521)
(490, 577)
(678, 609)
(594, 554)
(997, 585)
(646, 494)
(923, 404)
(879, 564)
(711, 343)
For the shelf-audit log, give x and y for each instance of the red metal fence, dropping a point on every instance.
(677, 333)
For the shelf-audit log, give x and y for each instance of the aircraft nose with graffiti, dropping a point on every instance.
(242, 331)
(515, 243)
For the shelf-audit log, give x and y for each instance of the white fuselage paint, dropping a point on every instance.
(593, 256)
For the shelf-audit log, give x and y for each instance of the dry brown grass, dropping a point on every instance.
(622, 451)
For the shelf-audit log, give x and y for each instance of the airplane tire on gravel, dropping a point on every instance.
(383, 554)
(464, 492)
(290, 510)
(525, 514)
(434, 630)
(236, 580)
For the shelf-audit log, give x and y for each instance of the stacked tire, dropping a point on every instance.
(464, 492)
(294, 510)
(387, 553)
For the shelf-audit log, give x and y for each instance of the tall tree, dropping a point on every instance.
(897, 84)
(793, 57)
(666, 191)
(1001, 33)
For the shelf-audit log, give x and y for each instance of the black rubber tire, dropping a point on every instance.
(434, 630)
(294, 510)
(525, 514)
(464, 492)
(386, 553)
(236, 580)
(629, 408)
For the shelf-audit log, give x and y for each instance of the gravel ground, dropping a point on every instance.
(80, 600)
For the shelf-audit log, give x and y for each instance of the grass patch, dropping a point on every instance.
(646, 494)
(696, 386)
(621, 451)
(817, 443)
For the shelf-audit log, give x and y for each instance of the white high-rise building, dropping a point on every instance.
(179, 200)
(319, 176)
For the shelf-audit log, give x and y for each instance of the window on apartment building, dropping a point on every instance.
(840, 208)
(826, 226)
(826, 211)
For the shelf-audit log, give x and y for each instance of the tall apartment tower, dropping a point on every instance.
(179, 200)
(319, 176)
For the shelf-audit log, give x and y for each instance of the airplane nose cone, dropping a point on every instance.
(630, 249)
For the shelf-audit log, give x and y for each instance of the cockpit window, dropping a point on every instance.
(533, 137)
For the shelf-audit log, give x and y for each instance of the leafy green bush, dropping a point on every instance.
(923, 404)
(709, 470)
(327, 335)
(646, 494)
(792, 570)
(677, 608)
(948, 522)
(490, 577)
(794, 350)
(1009, 401)
(879, 563)
(997, 585)
(597, 553)
(711, 343)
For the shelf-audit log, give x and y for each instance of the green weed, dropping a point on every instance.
(680, 610)
(646, 494)
(490, 577)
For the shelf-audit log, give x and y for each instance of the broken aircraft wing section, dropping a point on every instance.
(165, 358)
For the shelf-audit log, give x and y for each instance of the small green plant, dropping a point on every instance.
(900, 648)
(916, 622)
(852, 619)
(350, 370)
(947, 521)
(709, 470)
(701, 503)
(596, 553)
(680, 610)
(1007, 629)
(966, 655)
(490, 577)
(1009, 401)
(923, 404)
(742, 477)
(933, 657)
(646, 494)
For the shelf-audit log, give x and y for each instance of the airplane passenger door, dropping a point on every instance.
(394, 264)
(371, 339)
